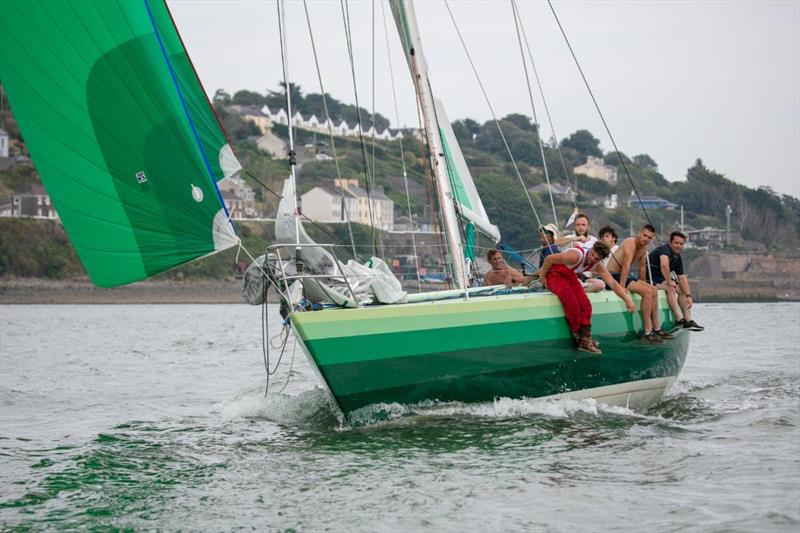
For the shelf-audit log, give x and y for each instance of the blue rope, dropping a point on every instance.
(186, 112)
(515, 256)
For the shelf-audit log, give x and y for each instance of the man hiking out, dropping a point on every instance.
(559, 274)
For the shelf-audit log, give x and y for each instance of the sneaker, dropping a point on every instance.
(589, 346)
(663, 334)
(652, 338)
(677, 326)
(691, 325)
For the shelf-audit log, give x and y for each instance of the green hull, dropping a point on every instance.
(515, 346)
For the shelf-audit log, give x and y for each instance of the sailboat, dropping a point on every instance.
(132, 154)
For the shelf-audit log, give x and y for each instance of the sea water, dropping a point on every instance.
(154, 417)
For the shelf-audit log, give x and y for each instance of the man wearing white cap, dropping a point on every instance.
(547, 236)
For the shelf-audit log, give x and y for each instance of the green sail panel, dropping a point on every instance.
(121, 133)
(464, 191)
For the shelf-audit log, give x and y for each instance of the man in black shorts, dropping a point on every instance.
(634, 250)
(666, 267)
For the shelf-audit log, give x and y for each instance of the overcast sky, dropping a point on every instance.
(719, 80)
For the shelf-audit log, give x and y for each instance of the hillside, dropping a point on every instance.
(41, 249)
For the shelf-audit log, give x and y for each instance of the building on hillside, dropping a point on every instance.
(240, 198)
(596, 168)
(708, 236)
(273, 145)
(328, 204)
(650, 202)
(560, 190)
(253, 114)
(340, 128)
(4, 140)
(403, 224)
(611, 201)
(33, 203)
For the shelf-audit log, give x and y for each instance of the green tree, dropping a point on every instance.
(244, 97)
(584, 143)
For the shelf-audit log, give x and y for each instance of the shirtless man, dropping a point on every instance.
(634, 249)
(501, 273)
(582, 238)
(560, 273)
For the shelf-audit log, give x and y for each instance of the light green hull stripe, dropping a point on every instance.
(450, 313)
(513, 345)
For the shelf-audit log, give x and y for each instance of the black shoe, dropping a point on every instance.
(677, 326)
(691, 325)
(651, 338)
(663, 334)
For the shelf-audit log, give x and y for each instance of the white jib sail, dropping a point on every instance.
(464, 191)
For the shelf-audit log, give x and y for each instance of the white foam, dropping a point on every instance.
(499, 408)
(310, 406)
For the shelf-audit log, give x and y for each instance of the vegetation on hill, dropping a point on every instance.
(38, 248)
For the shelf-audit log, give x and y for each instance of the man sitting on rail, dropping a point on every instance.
(501, 273)
(581, 238)
(560, 274)
(634, 249)
(665, 264)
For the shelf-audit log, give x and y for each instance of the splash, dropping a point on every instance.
(500, 408)
(310, 407)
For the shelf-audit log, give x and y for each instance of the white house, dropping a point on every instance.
(595, 167)
(346, 200)
(3, 143)
(323, 204)
(311, 122)
(240, 199)
(34, 203)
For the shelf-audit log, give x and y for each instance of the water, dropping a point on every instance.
(154, 417)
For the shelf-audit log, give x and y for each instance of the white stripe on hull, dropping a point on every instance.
(636, 395)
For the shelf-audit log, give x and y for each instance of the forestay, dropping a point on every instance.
(121, 130)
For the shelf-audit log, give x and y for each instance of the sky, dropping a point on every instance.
(677, 80)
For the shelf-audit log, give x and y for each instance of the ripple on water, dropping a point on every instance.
(160, 422)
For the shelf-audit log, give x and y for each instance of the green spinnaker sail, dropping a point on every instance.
(120, 130)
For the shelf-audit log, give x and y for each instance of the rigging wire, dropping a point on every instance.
(305, 217)
(346, 20)
(267, 342)
(437, 216)
(544, 102)
(533, 110)
(374, 129)
(602, 118)
(494, 116)
(292, 160)
(330, 130)
(402, 153)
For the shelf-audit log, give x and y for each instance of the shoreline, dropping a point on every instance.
(34, 291)
(29, 291)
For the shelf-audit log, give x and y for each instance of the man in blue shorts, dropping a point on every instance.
(666, 267)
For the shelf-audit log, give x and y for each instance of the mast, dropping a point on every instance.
(406, 20)
(292, 156)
